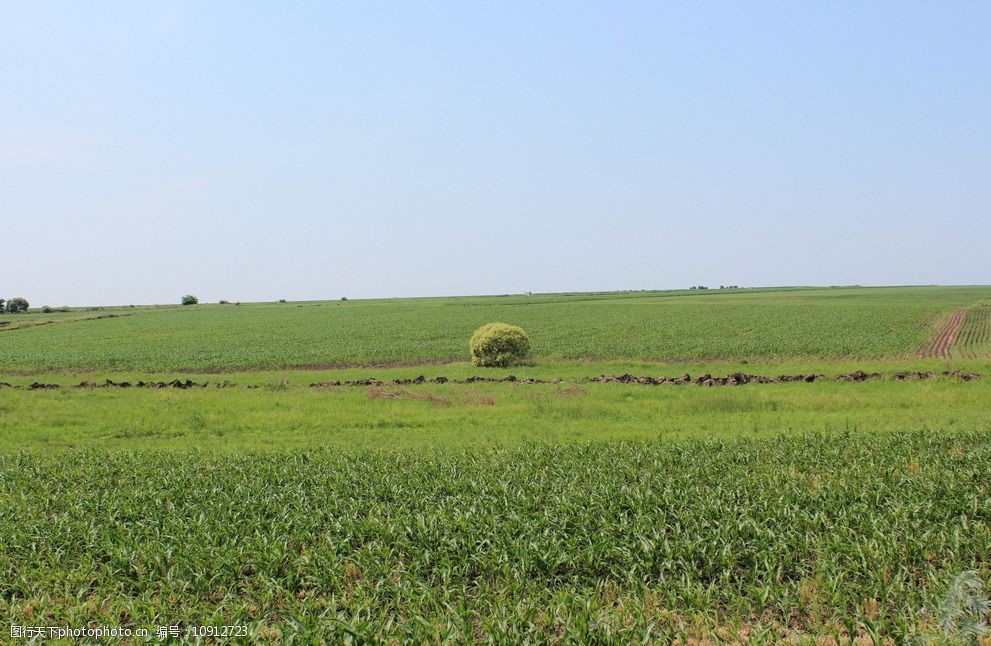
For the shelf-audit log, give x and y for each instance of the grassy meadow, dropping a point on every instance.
(567, 511)
(274, 415)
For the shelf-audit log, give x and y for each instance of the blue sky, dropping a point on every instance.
(317, 150)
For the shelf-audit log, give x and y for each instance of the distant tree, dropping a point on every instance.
(3, 306)
(344, 298)
(223, 302)
(17, 305)
(47, 309)
(282, 300)
(189, 299)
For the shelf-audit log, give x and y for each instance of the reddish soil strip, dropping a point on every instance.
(939, 346)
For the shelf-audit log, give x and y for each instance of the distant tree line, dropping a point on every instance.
(16, 305)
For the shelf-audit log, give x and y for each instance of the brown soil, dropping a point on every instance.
(735, 379)
(175, 383)
(379, 392)
(939, 346)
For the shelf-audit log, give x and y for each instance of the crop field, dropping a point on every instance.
(974, 339)
(753, 466)
(830, 535)
(755, 324)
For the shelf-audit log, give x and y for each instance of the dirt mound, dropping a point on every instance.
(735, 379)
(507, 378)
(175, 383)
(859, 375)
(913, 376)
(423, 380)
(964, 376)
(805, 378)
(348, 382)
(647, 380)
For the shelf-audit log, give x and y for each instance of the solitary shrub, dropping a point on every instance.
(189, 299)
(47, 309)
(498, 345)
(17, 305)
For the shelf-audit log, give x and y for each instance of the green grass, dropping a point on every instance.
(813, 534)
(285, 414)
(755, 324)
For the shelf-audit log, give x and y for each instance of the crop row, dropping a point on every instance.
(974, 339)
(818, 534)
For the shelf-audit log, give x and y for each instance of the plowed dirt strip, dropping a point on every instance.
(939, 346)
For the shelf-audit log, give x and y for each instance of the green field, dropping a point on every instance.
(289, 414)
(623, 542)
(974, 339)
(562, 511)
(755, 324)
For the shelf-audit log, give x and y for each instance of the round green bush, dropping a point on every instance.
(499, 345)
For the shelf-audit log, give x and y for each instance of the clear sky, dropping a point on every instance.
(317, 150)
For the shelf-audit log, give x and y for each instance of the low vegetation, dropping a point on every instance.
(751, 324)
(276, 411)
(773, 538)
(499, 345)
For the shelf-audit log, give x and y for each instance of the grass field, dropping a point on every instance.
(755, 324)
(562, 511)
(289, 414)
